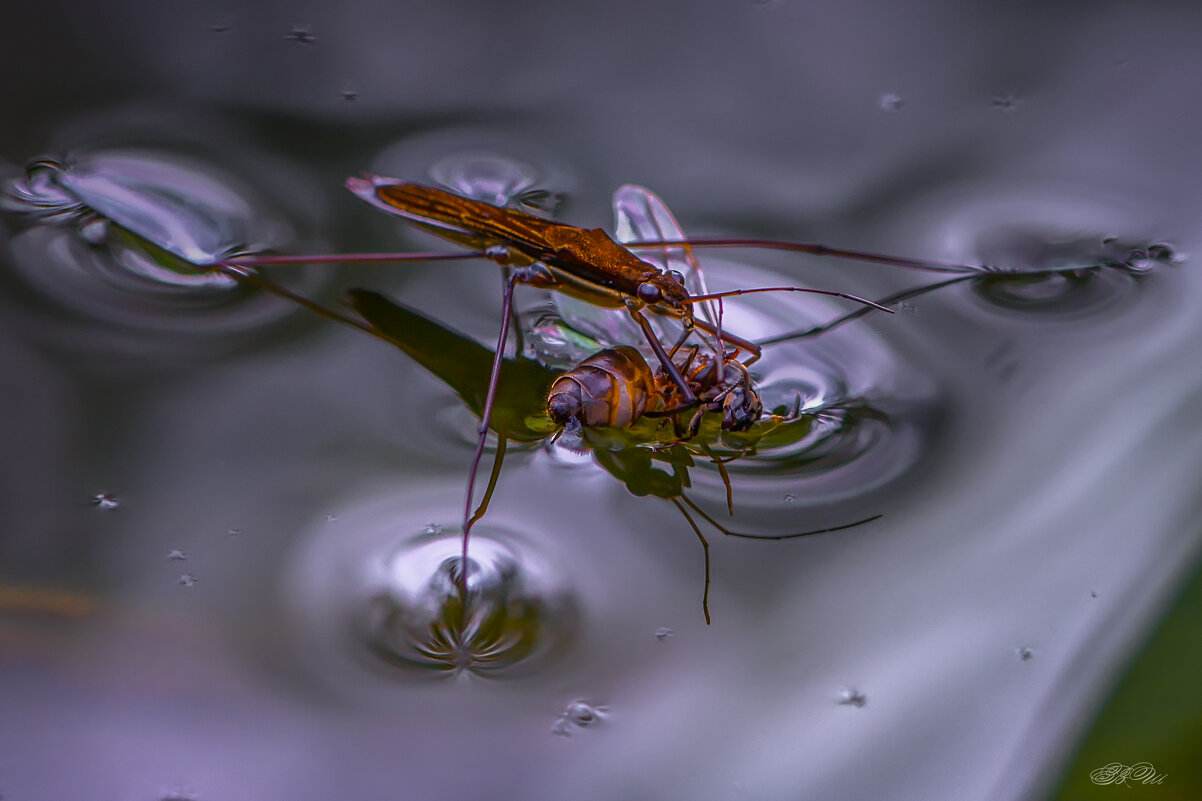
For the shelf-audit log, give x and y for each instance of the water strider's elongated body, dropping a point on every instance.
(583, 262)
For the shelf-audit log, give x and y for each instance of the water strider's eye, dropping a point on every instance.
(677, 276)
(649, 293)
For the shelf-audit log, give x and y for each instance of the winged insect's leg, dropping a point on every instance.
(497, 459)
(730, 533)
(490, 397)
(705, 547)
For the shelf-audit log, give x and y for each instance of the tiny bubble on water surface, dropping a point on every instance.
(578, 714)
(891, 101)
(106, 501)
(301, 34)
(176, 555)
(187, 580)
(853, 698)
(1024, 654)
(1005, 103)
(663, 633)
(94, 232)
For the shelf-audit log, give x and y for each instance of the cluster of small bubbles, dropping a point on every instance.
(187, 580)
(852, 697)
(891, 101)
(177, 555)
(425, 610)
(578, 714)
(663, 633)
(105, 501)
(301, 33)
(1024, 654)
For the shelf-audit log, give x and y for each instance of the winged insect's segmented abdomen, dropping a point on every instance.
(613, 387)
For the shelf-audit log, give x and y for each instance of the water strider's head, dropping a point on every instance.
(664, 287)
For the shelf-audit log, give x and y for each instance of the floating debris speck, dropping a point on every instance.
(177, 555)
(664, 633)
(1005, 103)
(301, 34)
(891, 101)
(187, 580)
(852, 697)
(106, 501)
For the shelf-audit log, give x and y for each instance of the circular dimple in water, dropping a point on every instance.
(382, 585)
(1050, 245)
(1062, 274)
(422, 614)
(488, 164)
(130, 237)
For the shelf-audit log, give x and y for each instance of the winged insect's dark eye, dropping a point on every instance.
(649, 293)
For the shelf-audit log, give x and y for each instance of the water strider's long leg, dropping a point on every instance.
(730, 533)
(705, 546)
(815, 249)
(689, 398)
(339, 258)
(497, 459)
(250, 276)
(486, 415)
(895, 298)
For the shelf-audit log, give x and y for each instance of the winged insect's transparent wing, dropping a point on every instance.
(639, 216)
